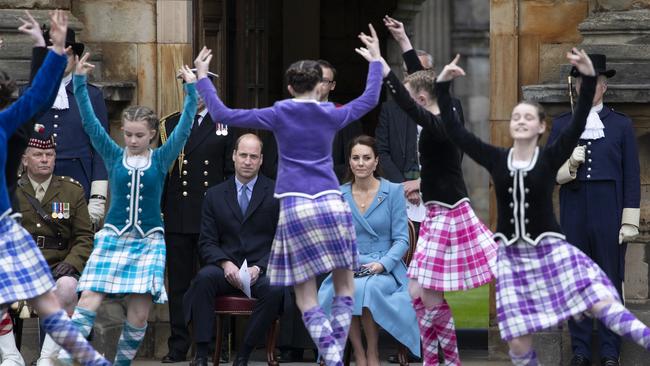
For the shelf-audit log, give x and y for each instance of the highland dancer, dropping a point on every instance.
(542, 280)
(129, 251)
(315, 232)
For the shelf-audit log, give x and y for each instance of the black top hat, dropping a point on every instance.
(600, 65)
(70, 40)
(39, 139)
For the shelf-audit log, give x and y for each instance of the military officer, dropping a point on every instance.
(599, 201)
(54, 211)
(75, 156)
(205, 160)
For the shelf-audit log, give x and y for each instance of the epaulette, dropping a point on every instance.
(162, 127)
(565, 114)
(70, 180)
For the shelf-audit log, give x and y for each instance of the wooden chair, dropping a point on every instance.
(240, 305)
(402, 351)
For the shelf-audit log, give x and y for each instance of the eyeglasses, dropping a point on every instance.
(327, 81)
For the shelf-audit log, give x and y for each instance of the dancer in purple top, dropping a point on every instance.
(315, 233)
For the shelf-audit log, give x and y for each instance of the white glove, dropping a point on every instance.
(627, 232)
(97, 202)
(629, 224)
(577, 157)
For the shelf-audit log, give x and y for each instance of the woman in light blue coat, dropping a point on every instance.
(380, 297)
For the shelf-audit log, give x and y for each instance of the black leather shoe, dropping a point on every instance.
(395, 359)
(291, 355)
(199, 361)
(609, 361)
(172, 358)
(580, 360)
(240, 361)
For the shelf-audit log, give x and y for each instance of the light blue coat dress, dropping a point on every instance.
(382, 236)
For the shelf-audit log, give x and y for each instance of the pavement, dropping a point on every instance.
(468, 357)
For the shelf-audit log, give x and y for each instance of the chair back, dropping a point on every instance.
(413, 241)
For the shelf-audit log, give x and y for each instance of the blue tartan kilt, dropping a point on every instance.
(126, 264)
(24, 273)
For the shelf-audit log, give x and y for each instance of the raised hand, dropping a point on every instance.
(371, 52)
(31, 28)
(581, 61)
(186, 73)
(82, 66)
(58, 30)
(451, 70)
(396, 29)
(202, 62)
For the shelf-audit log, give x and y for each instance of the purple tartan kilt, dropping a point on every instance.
(314, 236)
(24, 273)
(541, 286)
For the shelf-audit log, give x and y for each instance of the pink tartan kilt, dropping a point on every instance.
(455, 251)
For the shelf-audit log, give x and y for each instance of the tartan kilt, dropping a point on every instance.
(455, 251)
(314, 236)
(541, 286)
(24, 273)
(126, 264)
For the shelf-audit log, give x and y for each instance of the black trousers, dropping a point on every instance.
(210, 282)
(182, 264)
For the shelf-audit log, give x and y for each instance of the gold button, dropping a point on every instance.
(184, 183)
(184, 172)
(206, 162)
(184, 194)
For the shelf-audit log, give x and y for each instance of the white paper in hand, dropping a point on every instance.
(416, 212)
(245, 279)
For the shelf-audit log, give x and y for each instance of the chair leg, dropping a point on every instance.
(347, 353)
(403, 355)
(218, 325)
(270, 343)
(18, 331)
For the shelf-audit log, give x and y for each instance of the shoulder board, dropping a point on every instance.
(163, 126)
(69, 180)
(620, 113)
(171, 115)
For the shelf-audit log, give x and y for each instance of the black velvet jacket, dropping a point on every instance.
(524, 195)
(441, 173)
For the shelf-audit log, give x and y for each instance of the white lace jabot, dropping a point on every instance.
(594, 129)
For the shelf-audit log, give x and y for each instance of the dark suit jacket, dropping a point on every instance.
(396, 135)
(207, 162)
(226, 234)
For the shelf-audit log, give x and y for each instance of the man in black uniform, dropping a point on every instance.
(205, 161)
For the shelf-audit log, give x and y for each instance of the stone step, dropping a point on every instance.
(554, 346)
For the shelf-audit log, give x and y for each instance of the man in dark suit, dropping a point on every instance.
(397, 143)
(599, 202)
(238, 223)
(204, 162)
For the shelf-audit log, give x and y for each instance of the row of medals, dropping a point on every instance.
(60, 210)
(222, 130)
